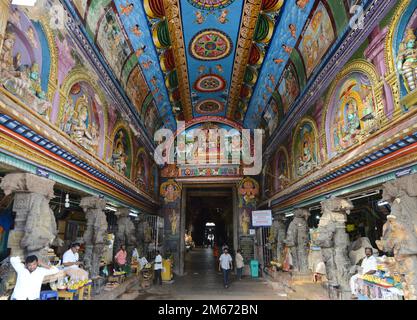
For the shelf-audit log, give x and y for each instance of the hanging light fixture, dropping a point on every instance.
(67, 203)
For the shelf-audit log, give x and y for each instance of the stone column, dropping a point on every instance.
(34, 225)
(334, 241)
(297, 240)
(4, 16)
(125, 234)
(400, 231)
(95, 236)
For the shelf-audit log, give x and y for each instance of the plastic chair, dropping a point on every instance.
(49, 295)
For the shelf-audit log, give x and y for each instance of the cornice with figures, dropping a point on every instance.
(17, 148)
(251, 10)
(17, 110)
(173, 16)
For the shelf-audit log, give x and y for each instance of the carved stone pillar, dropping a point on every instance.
(334, 241)
(95, 236)
(400, 231)
(4, 16)
(34, 225)
(125, 234)
(297, 240)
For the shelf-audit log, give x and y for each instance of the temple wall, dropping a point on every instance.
(369, 106)
(51, 87)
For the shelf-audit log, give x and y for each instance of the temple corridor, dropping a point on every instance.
(139, 138)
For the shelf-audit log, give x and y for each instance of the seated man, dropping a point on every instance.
(29, 277)
(368, 266)
(71, 263)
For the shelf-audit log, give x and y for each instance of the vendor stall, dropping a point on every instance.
(381, 285)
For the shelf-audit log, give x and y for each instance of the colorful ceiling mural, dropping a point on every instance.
(248, 61)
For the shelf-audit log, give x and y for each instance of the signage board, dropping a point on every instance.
(262, 218)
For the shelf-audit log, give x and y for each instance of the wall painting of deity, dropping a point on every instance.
(82, 118)
(305, 148)
(351, 113)
(121, 158)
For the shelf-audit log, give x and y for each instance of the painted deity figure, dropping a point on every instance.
(82, 132)
(352, 123)
(174, 221)
(297, 240)
(407, 59)
(119, 156)
(245, 222)
(306, 160)
(140, 174)
(23, 81)
(249, 191)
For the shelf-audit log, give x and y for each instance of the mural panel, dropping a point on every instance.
(137, 88)
(121, 158)
(141, 170)
(83, 117)
(282, 172)
(317, 38)
(351, 113)
(305, 148)
(289, 87)
(271, 117)
(112, 41)
(25, 63)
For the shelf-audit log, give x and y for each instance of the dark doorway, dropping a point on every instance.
(209, 220)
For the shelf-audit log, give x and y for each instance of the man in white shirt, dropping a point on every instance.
(225, 263)
(29, 277)
(158, 268)
(368, 266)
(70, 257)
(239, 264)
(71, 263)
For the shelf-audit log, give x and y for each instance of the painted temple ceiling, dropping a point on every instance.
(246, 60)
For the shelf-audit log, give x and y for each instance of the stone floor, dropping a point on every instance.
(203, 282)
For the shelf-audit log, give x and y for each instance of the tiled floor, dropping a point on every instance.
(203, 282)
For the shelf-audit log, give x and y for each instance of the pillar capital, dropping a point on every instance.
(92, 203)
(122, 212)
(27, 182)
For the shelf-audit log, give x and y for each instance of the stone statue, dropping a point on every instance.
(400, 231)
(35, 224)
(297, 240)
(333, 240)
(22, 81)
(277, 237)
(83, 133)
(407, 60)
(125, 234)
(95, 235)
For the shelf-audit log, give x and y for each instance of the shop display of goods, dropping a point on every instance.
(383, 282)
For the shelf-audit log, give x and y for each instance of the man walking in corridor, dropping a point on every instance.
(225, 263)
